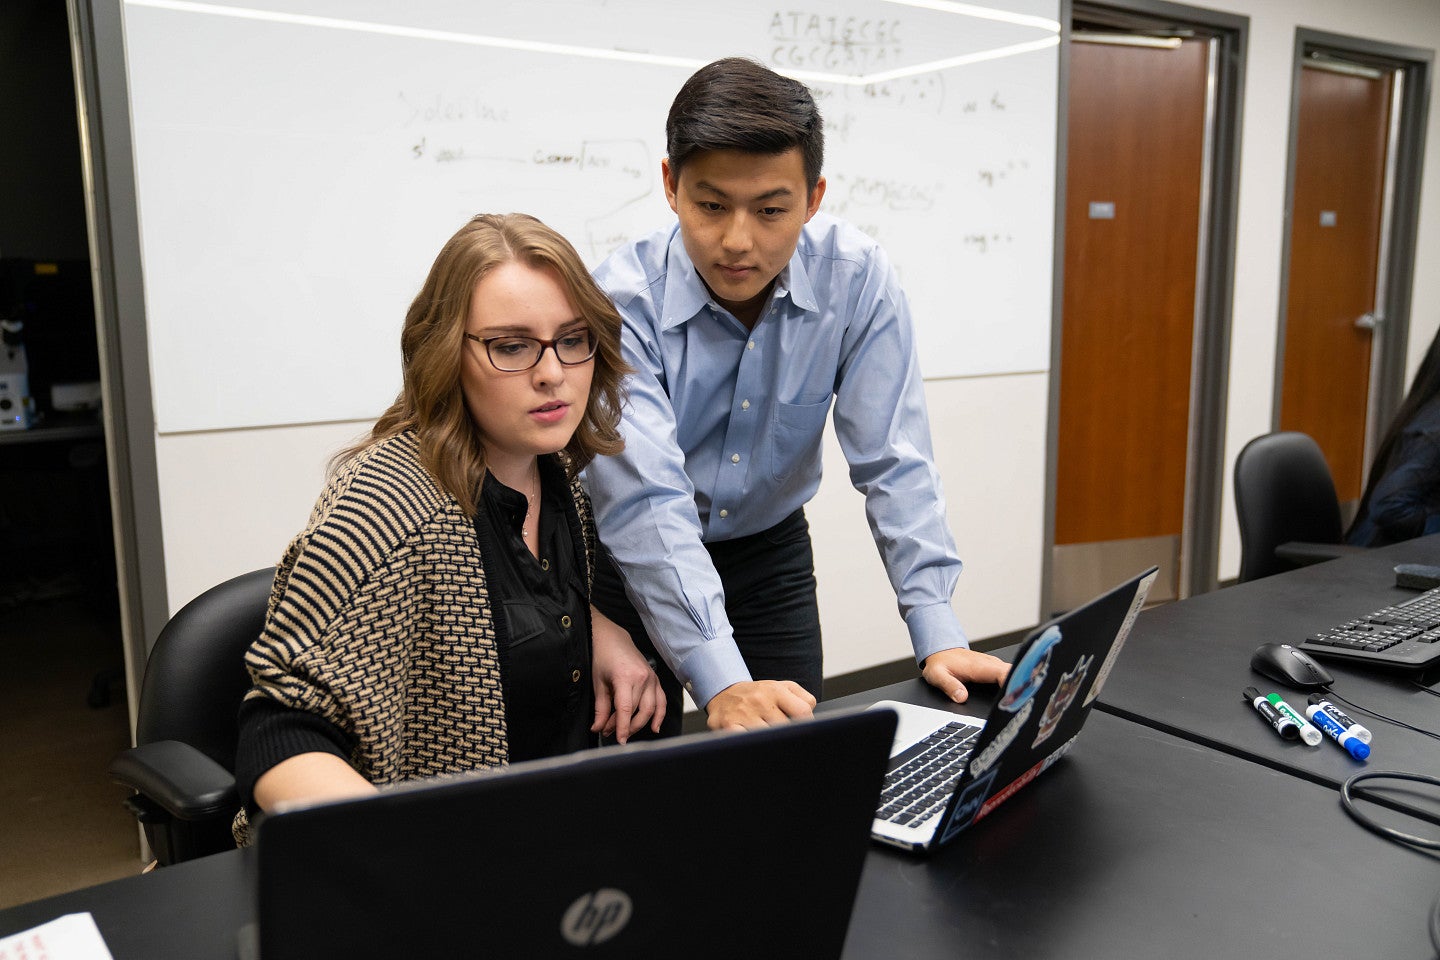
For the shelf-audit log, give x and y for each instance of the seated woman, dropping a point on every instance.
(1402, 498)
(434, 616)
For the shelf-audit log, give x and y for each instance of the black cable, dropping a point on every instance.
(1370, 823)
(1380, 716)
(1347, 801)
(1430, 690)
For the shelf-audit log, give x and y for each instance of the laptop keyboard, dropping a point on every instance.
(919, 787)
(1404, 633)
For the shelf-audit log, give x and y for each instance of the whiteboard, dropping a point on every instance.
(299, 164)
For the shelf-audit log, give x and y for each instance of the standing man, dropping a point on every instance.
(742, 323)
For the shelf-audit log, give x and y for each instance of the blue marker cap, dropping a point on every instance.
(1336, 731)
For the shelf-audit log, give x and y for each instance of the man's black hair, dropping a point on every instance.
(738, 104)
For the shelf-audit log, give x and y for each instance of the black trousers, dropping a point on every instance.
(769, 582)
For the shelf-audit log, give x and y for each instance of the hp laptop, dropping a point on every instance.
(646, 850)
(947, 771)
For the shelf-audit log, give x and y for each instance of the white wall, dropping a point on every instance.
(230, 500)
(989, 437)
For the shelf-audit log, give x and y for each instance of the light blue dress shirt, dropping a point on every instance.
(723, 433)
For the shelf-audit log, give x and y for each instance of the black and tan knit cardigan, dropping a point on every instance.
(380, 621)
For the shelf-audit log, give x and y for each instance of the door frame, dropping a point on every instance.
(1400, 216)
(107, 160)
(1215, 279)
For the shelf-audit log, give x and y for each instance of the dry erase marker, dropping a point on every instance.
(1353, 745)
(1283, 725)
(1308, 733)
(1340, 717)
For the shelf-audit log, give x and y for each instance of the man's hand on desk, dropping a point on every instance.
(758, 703)
(949, 670)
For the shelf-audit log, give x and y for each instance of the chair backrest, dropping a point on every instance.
(1283, 493)
(196, 675)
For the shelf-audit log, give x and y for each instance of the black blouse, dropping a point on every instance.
(542, 617)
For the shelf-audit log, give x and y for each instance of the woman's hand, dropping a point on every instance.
(627, 692)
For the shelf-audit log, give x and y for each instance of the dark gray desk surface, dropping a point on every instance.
(187, 912)
(1143, 845)
(1137, 845)
(1185, 664)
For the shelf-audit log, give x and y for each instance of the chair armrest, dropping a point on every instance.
(1304, 554)
(178, 778)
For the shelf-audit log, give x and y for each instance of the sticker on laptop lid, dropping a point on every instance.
(1103, 674)
(969, 804)
(982, 759)
(1062, 699)
(1028, 674)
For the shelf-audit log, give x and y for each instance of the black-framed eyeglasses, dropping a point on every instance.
(513, 354)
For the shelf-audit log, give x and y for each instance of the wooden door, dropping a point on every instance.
(1335, 221)
(1132, 221)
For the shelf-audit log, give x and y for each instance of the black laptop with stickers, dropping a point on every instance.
(948, 771)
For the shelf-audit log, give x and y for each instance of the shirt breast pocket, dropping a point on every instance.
(796, 435)
(525, 620)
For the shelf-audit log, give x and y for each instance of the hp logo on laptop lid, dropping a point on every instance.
(596, 917)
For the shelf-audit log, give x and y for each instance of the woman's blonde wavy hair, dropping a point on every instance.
(431, 401)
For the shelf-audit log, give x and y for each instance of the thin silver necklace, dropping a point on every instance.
(530, 502)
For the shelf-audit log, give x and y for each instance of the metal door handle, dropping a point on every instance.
(1369, 321)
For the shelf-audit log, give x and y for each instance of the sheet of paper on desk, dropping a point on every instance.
(71, 937)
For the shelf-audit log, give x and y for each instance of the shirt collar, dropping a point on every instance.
(512, 504)
(795, 282)
(686, 295)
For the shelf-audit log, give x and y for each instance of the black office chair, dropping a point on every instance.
(182, 767)
(1286, 504)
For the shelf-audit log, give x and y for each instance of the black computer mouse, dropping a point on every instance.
(1285, 664)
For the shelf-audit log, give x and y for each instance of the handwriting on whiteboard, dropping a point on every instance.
(1000, 172)
(985, 242)
(815, 41)
(437, 108)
